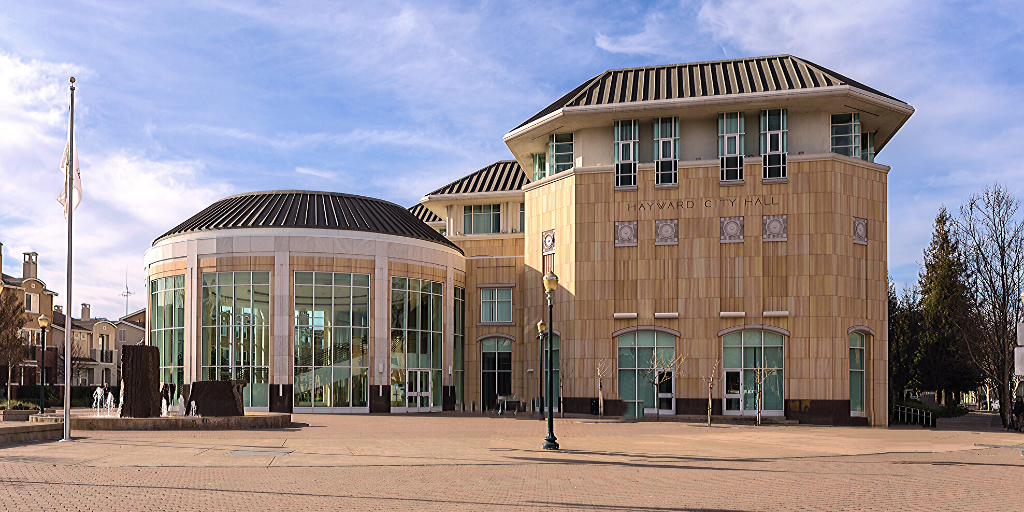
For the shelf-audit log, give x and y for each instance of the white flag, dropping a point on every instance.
(63, 198)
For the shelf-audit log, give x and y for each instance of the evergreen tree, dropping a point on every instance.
(947, 312)
(904, 335)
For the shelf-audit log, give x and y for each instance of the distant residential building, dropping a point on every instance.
(37, 300)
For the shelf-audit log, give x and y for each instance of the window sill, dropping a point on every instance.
(496, 324)
(626, 189)
(666, 186)
(731, 183)
(774, 181)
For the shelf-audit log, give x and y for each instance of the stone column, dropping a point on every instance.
(281, 347)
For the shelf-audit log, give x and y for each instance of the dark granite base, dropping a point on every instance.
(823, 412)
(380, 399)
(698, 406)
(281, 398)
(448, 398)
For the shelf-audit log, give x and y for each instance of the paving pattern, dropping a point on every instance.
(446, 462)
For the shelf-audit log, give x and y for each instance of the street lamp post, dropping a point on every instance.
(43, 324)
(541, 329)
(550, 285)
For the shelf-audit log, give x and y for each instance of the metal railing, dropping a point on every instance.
(912, 416)
(101, 356)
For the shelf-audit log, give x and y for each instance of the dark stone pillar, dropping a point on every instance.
(140, 381)
(448, 398)
(380, 399)
(281, 398)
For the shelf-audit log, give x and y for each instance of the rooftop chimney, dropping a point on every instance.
(30, 267)
(85, 312)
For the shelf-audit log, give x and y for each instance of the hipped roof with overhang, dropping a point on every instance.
(762, 81)
(502, 178)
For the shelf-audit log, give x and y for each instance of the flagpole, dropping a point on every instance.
(70, 198)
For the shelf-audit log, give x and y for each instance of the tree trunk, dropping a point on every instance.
(709, 403)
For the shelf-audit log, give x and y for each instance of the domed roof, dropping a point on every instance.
(303, 209)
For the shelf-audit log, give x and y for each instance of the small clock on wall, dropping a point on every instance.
(860, 231)
(547, 242)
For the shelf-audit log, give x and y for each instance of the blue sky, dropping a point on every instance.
(182, 103)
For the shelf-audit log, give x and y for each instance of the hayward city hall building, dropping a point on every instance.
(730, 213)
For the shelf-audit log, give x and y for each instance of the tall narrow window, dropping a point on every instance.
(332, 358)
(481, 219)
(540, 166)
(774, 145)
(460, 345)
(559, 153)
(236, 331)
(167, 328)
(730, 145)
(417, 323)
(856, 374)
(627, 145)
(846, 134)
(495, 371)
(666, 150)
(867, 146)
(522, 217)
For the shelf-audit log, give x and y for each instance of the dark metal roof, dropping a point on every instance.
(713, 78)
(303, 209)
(422, 213)
(503, 176)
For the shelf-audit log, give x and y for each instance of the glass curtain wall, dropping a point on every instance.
(416, 333)
(495, 370)
(236, 331)
(460, 345)
(332, 351)
(167, 329)
(753, 362)
(856, 374)
(640, 355)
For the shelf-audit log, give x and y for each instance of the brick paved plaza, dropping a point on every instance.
(444, 462)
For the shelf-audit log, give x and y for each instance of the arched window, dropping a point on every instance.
(752, 361)
(857, 380)
(643, 357)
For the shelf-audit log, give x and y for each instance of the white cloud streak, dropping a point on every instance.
(128, 199)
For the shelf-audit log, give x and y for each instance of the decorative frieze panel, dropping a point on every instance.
(731, 229)
(666, 232)
(625, 233)
(860, 231)
(547, 242)
(774, 228)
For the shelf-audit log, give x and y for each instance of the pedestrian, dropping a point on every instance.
(1018, 412)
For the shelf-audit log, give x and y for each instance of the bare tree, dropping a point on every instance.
(78, 360)
(992, 237)
(602, 370)
(709, 379)
(566, 371)
(761, 375)
(12, 320)
(661, 368)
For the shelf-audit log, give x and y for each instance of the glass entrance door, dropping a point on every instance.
(418, 391)
(753, 365)
(496, 371)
